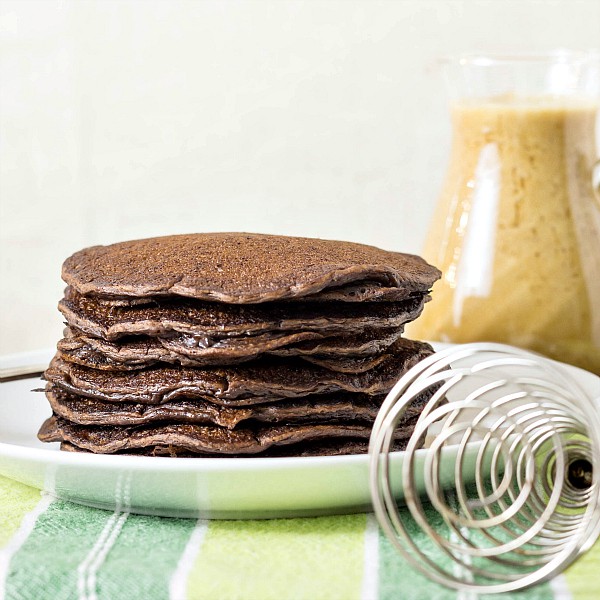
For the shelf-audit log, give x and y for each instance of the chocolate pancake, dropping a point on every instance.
(197, 439)
(240, 268)
(137, 352)
(312, 409)
(85, 355)
(262, 381)
(210, 322)
(364, 291)
(336, 447)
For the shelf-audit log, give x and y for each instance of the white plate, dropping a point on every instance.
(191, 487)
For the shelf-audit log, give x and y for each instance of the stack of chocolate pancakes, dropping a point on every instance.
(231, 344)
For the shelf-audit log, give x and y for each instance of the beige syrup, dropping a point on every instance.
(517, 231)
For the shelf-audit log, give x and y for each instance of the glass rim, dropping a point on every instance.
(561, 55)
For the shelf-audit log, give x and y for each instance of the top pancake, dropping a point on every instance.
(240, 268)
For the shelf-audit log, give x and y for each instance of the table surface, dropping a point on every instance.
(58, 550)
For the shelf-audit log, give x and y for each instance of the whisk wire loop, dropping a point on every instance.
(500, 476)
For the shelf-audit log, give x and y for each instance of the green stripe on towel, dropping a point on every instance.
(583, 576)
(80, 552)
(157, 544)
(398, 579)
(45, 566)
(312, 559)
(16, 500)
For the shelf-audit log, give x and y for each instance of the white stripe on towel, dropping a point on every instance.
(178, 583)
(369, 588)
(88, 568)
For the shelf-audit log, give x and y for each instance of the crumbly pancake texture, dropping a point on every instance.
(331, 447)
(266, 380)
(200, 439)
(327, 408)
(138, 352)
(87, 355)
(211, 322)
(332, 408)
(239, 268)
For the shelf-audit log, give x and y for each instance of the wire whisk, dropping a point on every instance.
(500, 475)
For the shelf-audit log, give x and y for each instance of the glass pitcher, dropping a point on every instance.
(516, 231)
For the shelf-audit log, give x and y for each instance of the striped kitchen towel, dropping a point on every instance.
(56, 550)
